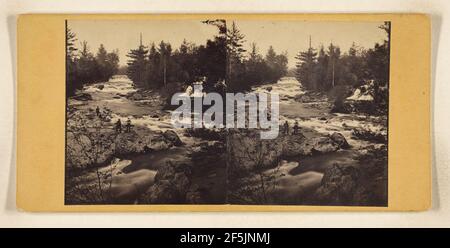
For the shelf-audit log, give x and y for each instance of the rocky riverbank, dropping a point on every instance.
(333, 159)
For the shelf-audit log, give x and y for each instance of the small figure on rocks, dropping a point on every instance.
(296, 127)
(118, 126)
(128, 126)
(286, 128)
(97, 111)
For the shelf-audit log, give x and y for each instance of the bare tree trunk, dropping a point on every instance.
(164, 65)
(332, 82)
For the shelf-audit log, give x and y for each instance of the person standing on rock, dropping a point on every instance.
(128, 126)
(118, 126)
(296, 127)
(286, 128)
(97, 111)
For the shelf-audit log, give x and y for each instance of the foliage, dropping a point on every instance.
(222, 58)
(82, 67)
(328, 68)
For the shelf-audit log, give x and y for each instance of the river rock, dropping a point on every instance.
(86, 149)
(140, 141)
(91, 140)
(339, 186)
(77, 150)
(83, 97)
(172, 183)
(173, 137)
(323, 145)
(296, 145)
(247, 151)
(339, 139)
(136, 97)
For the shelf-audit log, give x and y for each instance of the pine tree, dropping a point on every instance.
(153, 68)
(321, 68)
(215, 52)
(306, 67)
(137, 64)
(87, 66)
(71, 68)
(334, 54)
(235, 55)
(165, 51)
(255, 67)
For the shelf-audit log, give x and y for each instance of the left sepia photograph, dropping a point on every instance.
(121, 147)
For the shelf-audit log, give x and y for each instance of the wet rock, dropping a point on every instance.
(77, 150)
(136, 97)
(172, 136)
(83, 97)
(140, 142)
(369, 135)
(296, 145)
(310, 97)
(92, 140)
(339, 186)
(84, 150)
(339, 139)
(172, 183)
(323, 145)
(246, 151)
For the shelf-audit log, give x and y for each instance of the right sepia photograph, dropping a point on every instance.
(332, 79)
(242, 112)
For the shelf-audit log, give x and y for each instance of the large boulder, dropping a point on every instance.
(173, 137)
(246, 150)
(172, 183)
(295, 145)
(323, 145)
(86, 149)
(340, 140)
(91, 140)
(136, 96)
(340, 186)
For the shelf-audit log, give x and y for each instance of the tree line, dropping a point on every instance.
(83, 67)
(324, 68)
(221, 59)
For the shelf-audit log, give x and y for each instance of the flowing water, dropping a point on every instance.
(313, 117)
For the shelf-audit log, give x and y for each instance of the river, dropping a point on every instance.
(313, 117)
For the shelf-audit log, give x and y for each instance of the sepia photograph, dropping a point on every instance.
(214, 111)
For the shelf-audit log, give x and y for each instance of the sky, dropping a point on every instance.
(290, 36)
(124, 34)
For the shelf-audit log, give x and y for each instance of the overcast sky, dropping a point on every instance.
(290, 36)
